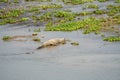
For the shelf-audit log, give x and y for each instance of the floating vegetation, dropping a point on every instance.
(39, 0)
(117, 1)
(99, 12)
(43, 7)
(68, 16)
(37, 30)
(33, 9)
(11, 13)
(56, 17)
(34, 34)
(36, 39)
(112, 38)
(6, 1)
(103, 0)
(75, 2)
(74, 43)
(49, 24)
(45, 17)
(3, 0)
(6, 38)
(12, 20)
(88, 25)
(94, 6)
(85, 13)
(11, 16)
(113, 9)
(50, 6)
(16, 1)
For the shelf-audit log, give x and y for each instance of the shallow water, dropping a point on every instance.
(93, 59)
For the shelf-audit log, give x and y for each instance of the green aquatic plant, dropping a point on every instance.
(24, 19)
(16, 1)
(12, 20)
(112, 38)
(37, 30)
(3, 0)
(85, 13)
(39, 0)
(33, 9)
(49, 24)
(68, 16)
(74, 43)
(34, 34)
(36, 39)
(117, 1)
(94, 6)
(11, 13)
(113, 9)
(75, 2)
(50, 6)
(45, 17)
(103, 0)
(99, 11)
(88, 25)
(6, 38)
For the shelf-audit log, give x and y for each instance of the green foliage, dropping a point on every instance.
(34, 34)
(95, 6)
(6, 38)
(45, 17)
(11, 13)
(3, 0)
(39, 0)
(68, 16)
(85, 13)
(99, 12)
(103, 0)
(37, 30)
(88, 25)
(16, 1)
(36, 39)
(112, 38)
(12, 20)
(50, 6)
(24, 19)
(43, 7)
(49, 24)
(33, 9)
(75, 2)
(113, 9)
(74, 43)
(117, 1)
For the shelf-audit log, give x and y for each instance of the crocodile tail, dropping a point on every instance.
(40, 47)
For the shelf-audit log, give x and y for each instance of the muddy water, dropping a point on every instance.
(93, 59)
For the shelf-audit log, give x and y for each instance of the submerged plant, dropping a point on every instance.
(74, 43)
(36, 39)
(75, 2)
(37, 30)
(11, 13)
(6, 38)
(113, 9)
(99, 11)
(103, 0)
(95, 6)
(112, 38)
(117, 1)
